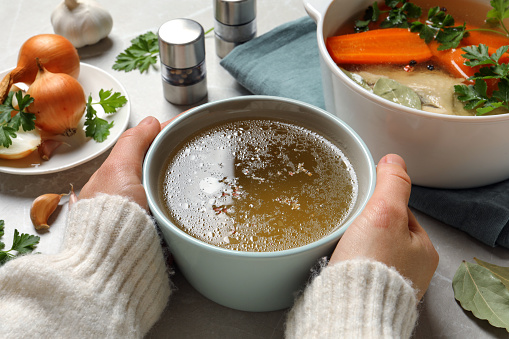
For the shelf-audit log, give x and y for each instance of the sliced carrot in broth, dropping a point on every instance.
(390, 45)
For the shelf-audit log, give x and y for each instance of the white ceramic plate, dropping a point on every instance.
(77, 149)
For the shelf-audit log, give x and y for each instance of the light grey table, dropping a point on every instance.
(190, 315)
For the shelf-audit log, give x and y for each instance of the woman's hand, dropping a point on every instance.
(388, 232)
(120, 174)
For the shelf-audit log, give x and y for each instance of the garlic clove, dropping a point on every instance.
(23, 145)
(42, 208)
(47, 147)
(73, 198)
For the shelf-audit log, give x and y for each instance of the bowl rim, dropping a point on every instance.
(326, 240)
(331, 65)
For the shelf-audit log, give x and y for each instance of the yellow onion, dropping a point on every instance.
(59, 102)
(23, 145)
(56, 53)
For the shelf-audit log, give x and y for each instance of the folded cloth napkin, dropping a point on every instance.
(285, 62)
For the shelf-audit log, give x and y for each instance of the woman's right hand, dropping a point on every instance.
(388, 232)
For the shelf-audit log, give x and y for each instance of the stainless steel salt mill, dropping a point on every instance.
(182, 55)
(235, 23)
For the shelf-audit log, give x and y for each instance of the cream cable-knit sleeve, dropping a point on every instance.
(109, 281)
(355, 299)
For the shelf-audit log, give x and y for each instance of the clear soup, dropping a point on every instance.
(258, 185)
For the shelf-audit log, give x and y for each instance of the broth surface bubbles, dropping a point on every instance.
(258, 185)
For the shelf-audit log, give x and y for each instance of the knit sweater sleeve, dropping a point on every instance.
(108, 281)
(355, 299)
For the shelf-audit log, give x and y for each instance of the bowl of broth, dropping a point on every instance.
(250, 192)
(443, 144)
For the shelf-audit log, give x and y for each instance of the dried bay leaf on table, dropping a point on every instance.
(482, 293)
(396, 92)
(502, 273)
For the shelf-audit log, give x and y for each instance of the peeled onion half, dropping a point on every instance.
(23, 145)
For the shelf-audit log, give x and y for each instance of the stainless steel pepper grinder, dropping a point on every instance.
(182, 54)
(235, 23)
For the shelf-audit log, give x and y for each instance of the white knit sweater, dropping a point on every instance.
(110, 281)
(355, 299)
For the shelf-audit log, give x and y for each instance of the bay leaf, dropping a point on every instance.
(357, 79)
(396, 92)
(480, 292)
(502, 273)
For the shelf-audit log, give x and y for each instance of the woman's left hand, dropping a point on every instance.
(120, 174)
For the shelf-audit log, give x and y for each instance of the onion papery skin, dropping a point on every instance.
(59, 102)
(54, 51)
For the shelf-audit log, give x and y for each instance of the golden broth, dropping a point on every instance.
(258, 185)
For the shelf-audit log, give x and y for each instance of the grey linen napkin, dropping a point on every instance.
(285, 62)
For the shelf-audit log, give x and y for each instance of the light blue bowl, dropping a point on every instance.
(251, 281)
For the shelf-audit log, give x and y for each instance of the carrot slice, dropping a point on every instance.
(452, 61)
(390, 45)
(493, 40)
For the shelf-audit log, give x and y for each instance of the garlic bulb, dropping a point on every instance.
(82, 22)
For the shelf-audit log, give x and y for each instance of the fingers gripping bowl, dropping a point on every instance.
(251, 280)
(443, 151)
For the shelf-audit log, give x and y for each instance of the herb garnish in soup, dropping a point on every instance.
(258, 185)
(439, 56)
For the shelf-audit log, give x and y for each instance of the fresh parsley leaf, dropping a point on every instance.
(476, 96)
(140, 55)
(371, 14)
(499, 12)
(427, 33)
(473, 95)
(502, 94)
(9, 123)
(23, 119)
(399, 16)
(22, 243)
(437, 20)
(440, 27)
(477, 55)
(110, 101)
(98, 128)
(450, 37)
(6, 135)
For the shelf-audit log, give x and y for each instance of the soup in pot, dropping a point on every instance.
(419, 73)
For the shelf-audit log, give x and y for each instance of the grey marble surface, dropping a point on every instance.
(190, 315)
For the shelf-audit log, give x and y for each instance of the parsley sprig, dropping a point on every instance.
(498, 13)
(9, 124)
(476, 96)
(399, 15)
(22, 243)
(140, 55)
(439, 25)
(98, 128)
